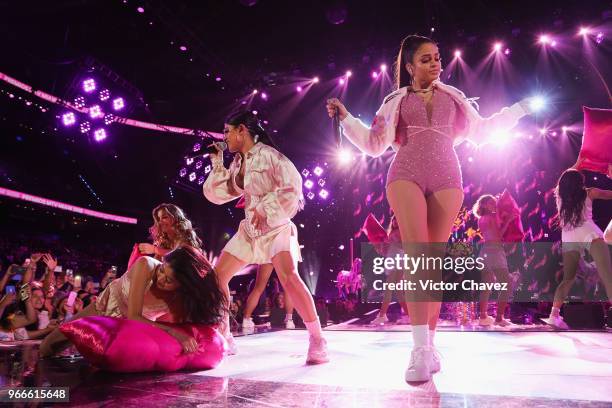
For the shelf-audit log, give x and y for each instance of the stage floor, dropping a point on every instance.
(478, 369)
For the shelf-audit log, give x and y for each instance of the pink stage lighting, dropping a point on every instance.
(79, 102)
(85, 127)
(264, 96)
(599, 37)
(118, 104)
(305, 173)
(308, 184)
(140, 10)
(315, 80)
(497, 47)
(68, 119)
(374, 75)
(341, 81)
(458, 54)
(349, 74)
(255, 91)
(183, 48)
(545, 39)
(95, 112)
(183, 172)
(298, 88)
(584, 31)
(383, 67)
(89, 85)
(192, 176)
(99, 135)
(507, 51)
(104, 94)
(310, 195)
(323, 194)
(318, 171)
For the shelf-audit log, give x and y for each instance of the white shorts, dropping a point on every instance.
(580, 238)
(608, 234)
(494, 256)
(260, 250)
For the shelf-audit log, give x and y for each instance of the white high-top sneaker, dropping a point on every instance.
(420, 366)
(247, 325)
(379, 321)
(289, 325)
(557, 322)
(317, 351)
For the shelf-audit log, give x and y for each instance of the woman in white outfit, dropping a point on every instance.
(579, 233)
(272, 189)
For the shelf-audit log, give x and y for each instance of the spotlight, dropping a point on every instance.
(100, 135)
(198, 165)
(255, 91)
(323, 194)
(109, 118)
(543, 131)
(507, 51)
(85, 127)
(349, 74)
(298, 88)
(255, 112)
(218, 79)
(584, 31)
(553, 134)
(95, 112)
(564, 129)
(308, 184)
(497, 47)
(264, 96)
(89, 85)
(118, 104)
(318, 171)
(79, 102)
(68, 119)
(305, 173)
(341, 81)
(553, 43)
(374, 75)
(197, 147)
(140, 10)
(189, 160)
(458, 54)
(345, 156)
(310, 195)
(201, 180)
(183, 48)
(321, 182)
(537, 103)
(192, 176)
(207, 169)
(383, 67)
(104, 94)
(599, 37)
(544, 39)
(315, 80)
(183, 172)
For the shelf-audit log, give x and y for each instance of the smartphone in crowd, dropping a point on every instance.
(71, 298)
(10, 289)
(58, 269)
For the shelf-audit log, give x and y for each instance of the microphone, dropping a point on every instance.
(337, 129)
(210, 149)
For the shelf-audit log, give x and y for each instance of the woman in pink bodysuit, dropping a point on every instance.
(423, 120)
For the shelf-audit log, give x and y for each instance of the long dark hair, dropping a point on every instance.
(184, 229)
(253, 125)
(408, 48)
(202, 299)
(571, 194)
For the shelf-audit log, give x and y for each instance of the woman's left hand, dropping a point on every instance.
(146, 249)
(258, 220)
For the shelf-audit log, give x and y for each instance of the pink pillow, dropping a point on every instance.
(596, 140)
(507, 207)
(129, 346)
(374, 231)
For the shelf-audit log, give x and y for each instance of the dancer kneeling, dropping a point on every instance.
(272, 188)
(181, 289)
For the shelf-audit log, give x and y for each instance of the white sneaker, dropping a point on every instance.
(317, 351)
(247, 325)
(232, 346)
(419, 369)
(557, 322)
(379, 321)
(504, 323)
(435, 360)
(289, 325)
(487, 321)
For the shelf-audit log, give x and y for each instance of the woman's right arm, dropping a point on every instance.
(370, 140)
(142, 272)
(219, 187)
(599, 194)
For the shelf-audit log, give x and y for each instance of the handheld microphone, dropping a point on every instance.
(337, 129)
(212, 149)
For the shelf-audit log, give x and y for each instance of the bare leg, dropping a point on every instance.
(410, 208)
(263, 275)
(487, 277)
(287, 272)
(503, 276)
(442, 209)
(570, 265)
(56, 341)
(227, 266)
(601, 254)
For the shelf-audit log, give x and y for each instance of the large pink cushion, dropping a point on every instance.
(596, 147)
(506, 208)
(374, 231)
(128, 346)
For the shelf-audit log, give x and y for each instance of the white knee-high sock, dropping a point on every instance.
(420, 335)
(314, 328)
(432, 333)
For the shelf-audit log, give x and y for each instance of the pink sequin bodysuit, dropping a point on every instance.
(426, 155)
